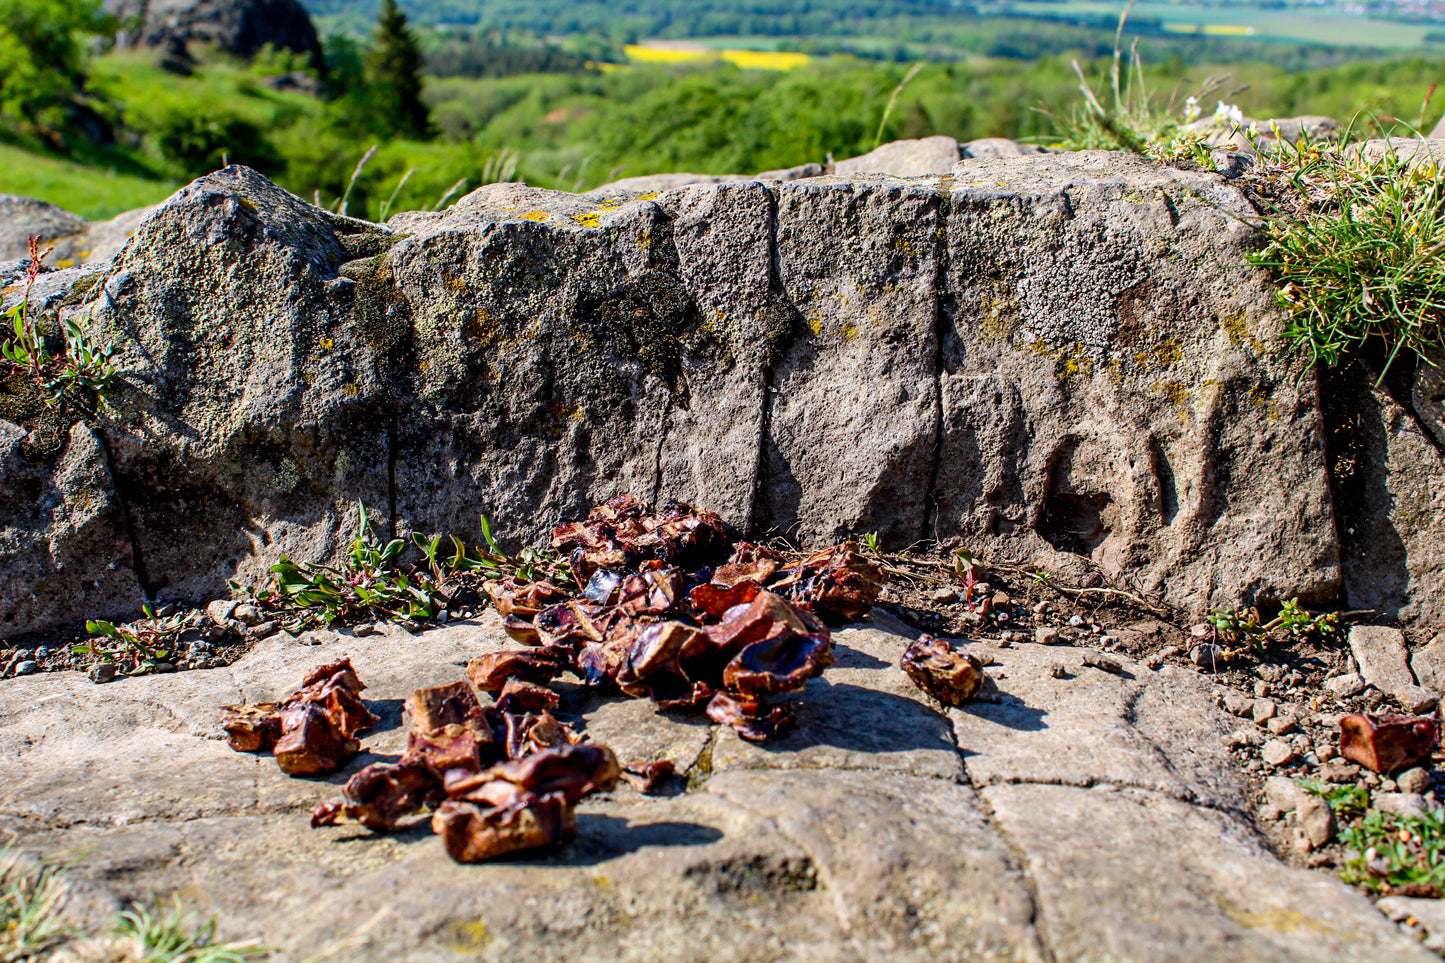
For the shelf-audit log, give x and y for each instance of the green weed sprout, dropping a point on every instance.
(30, 902)
(82, 364)
(138, 647)
(170, 938)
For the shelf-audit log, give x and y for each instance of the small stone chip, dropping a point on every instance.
(1058, 671)
(1103, 664)
(1347, 685)
(1277, 753)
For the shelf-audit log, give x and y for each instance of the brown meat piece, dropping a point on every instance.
(451, 752)
(519, 695)
(950, 677)
(573, 623)
(381, 795)
(574, 771)
(253, 727)
(653, 666)
(491, 672)
(445, 705)
(780, 663)
(712, 600)
(311, 742)
(515, 597)
(766, 616)
(1388, 743)
(840, 584)
(750, 718)
(473, 833)
(349, 714)
(649, 777)
(340, 672)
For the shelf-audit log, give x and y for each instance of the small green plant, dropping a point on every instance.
(1246, 626)
(157, 937)
(82, 364)
(137, 647)
(1388, 852)
(1360, 257)
(1043, 577)
(366, 584)
(1347, 802)
(870, 543)
(30, 902)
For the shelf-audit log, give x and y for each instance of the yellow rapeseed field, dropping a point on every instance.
(747, 59)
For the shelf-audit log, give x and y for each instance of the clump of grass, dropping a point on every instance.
(144, 936)
(31, 898)
(1386, 852)
(1360, 255)
(1134, 120)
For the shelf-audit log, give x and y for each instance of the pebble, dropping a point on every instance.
(1048, 635)
(260, 630)
(1204, 655)
(27, 667)
(364, 629)
(163, 668)
(1270, 672)
(1280, 725)
(1103, 664)
(1261, 688)
(1277, 753)
(1403, 803)
(945, 595)
(1058, 671)
(1326, 751)
(221, 610)
(248, 613)
(1076, 620)
(1264, 710)
(1200, 630)
(1270, 814)
(1346, 686)
(1042, 608)
(102, 672)
(1001, 600)
(1414, 780)
(1317, 820)
(42, 652)
(1244, 737)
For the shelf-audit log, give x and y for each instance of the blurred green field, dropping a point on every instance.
(92, 192)
(1320, 25)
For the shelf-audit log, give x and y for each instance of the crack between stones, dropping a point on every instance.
(940, 322)
(765, 373)
(1020, 858)
(137, 555)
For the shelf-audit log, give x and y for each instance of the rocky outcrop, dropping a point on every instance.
(1061, 359)
(24, 217)
(241, 27)
(1084, 816)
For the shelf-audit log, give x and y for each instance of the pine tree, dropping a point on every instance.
(393, 72)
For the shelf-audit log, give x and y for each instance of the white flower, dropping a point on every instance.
(1192, 110)
(1228, 114)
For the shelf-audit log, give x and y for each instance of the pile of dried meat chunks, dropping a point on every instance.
(667, 606)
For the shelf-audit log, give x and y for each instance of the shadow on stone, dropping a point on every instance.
(861, 720)
(1010, 712)
(600, 838)
(846, 657)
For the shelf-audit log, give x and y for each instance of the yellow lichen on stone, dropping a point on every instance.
(468, 936)
(649, 196)
(848, 331)
(1163, 354)
(350, 390)
(590, 219)
(535, 216)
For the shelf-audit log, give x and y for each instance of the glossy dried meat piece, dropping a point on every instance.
(473, 833)
(381, 795)
(527, 733)
(655, 591)
(649, 777)
(519, 695)
(349, 714)
(653, 666)
(573, 623)
(516, 597)
(1388, 743)
(574, 771)
(781, 663)
(950, 677)
(840, 585)
(451, 752)
(711, 600)
(683, 535)
(600, 663)
(750, 718)
(766, 616)
(339, 673)
(253, 727)
(445, 705)
(311, 742)
(491, 671)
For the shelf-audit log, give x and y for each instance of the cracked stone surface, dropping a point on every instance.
(1089, 818)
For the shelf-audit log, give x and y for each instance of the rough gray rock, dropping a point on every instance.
(1383, 657)
(1062, 359)
(21, 217)
(1428, 664)
(241, 27)
(1392, 527)
(905, 158)
(657, 183)
(998, 147)
(959, 837)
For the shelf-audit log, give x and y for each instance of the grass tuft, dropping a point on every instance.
(30, 901)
